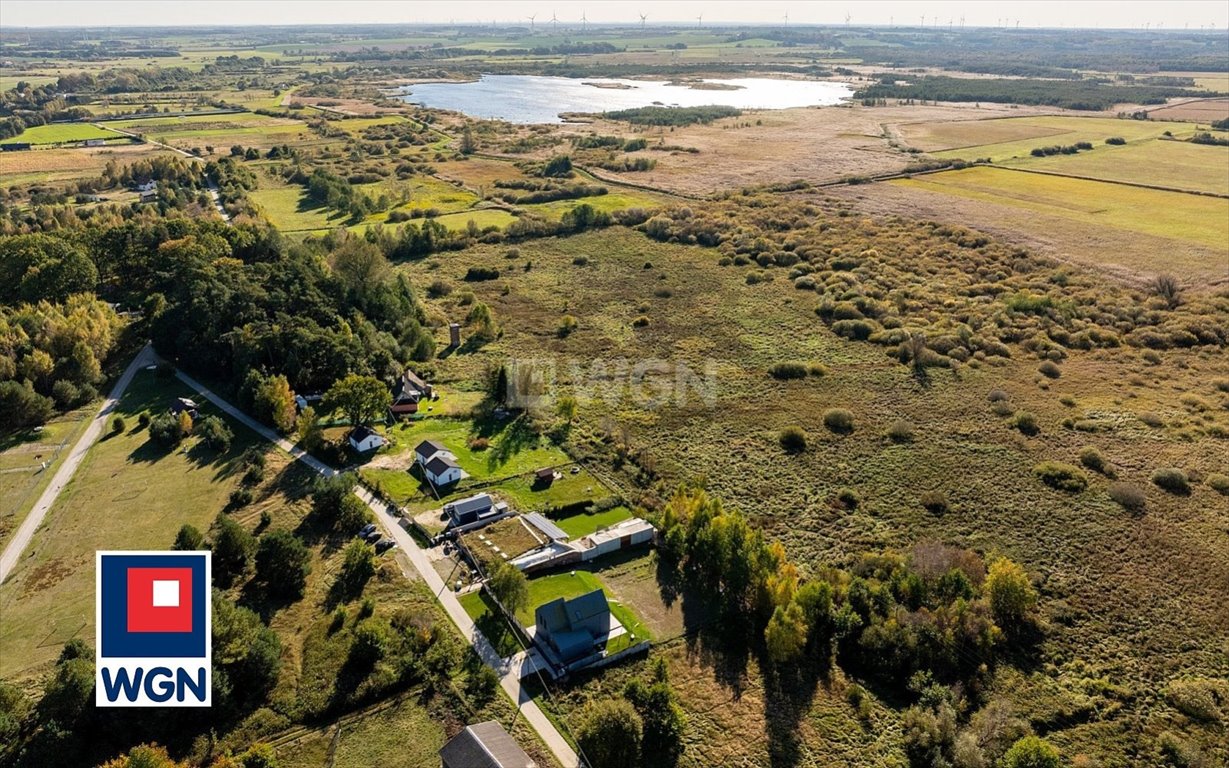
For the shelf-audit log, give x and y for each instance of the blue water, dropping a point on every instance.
(534, 99)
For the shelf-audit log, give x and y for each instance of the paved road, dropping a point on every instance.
(22, 538)
(509, 670)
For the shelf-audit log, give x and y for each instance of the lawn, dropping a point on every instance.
(116, 500)
(1198, 219)
(1004, 138)
(584, 524)
(491, 623)
(1158, 162)
(615, 200)
(482, 218)
(526, 495)
(58, 134)
(544, 589)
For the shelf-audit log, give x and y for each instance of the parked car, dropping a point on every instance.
(366, 530)
(372, 537)
(383, 545)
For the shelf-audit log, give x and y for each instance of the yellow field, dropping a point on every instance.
(52, 165)
(1177, 164)
(1175, 215)
(1003, 139)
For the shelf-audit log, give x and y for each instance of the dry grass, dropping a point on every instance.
(1195, 110)
(1112, 581)
(816, 145)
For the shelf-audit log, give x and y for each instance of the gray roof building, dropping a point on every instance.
(573, 628)
(484, 745)
(428, 448)
(439, 463)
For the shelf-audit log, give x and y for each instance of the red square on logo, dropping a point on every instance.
(159, 599)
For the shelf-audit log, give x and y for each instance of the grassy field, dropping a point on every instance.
(246, 129)
(1003, 139)
(1201, 220)
(290, 210)
(114, 501)
(62, 133)
(1176, 164)
(28, 461)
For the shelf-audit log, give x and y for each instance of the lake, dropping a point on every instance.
(534, 99)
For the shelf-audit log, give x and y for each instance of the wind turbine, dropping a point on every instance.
(531, 18)
(962, 22)
(584, 23)
(700, 21)
(643, 17)
(923, 19)
(787, 18)
(554, 22)
(847, 17)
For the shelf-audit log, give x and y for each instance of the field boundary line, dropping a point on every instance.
(1140, 185)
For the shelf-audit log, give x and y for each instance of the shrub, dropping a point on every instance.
(1116, 140)
(1152, 419)
(1050, 369)
(1219, 483)
(901, 431)
(1027, 423)
(1092, 458)
(143, 419)
(438, 288)
(934, 502)
(215, 433)
(848, 498)
(567, 324)
(640, 322)
(118, 424)
(1129, 496)
(580, 261)
(793, 440)
(1031, 752)
(1173, 480)
(477, 274)
(997, 396)
(1063, 477)
(165, 430)
(788, 371)
(241, 497)
(817, 369)
(838, 420)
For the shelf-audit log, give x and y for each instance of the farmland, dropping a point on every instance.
(1200, 220)
(1173, 164)
(62, 134)
(1009, 138)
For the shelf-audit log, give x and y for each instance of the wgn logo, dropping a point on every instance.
(153, 618)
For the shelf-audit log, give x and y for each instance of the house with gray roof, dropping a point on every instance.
(573, 630)
(484, 745)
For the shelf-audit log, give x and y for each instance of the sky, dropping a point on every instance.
(1164, 14)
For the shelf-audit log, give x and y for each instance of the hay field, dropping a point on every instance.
(1199, 110)
(1173, 215)
(1176, 164)
(248, 129)
(52, 165)
(1015, 137)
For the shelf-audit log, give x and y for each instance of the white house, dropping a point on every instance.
(364, 439)
(439, 464)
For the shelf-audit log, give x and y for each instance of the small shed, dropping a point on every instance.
(454, 335)
(544, 476)
(484, 745)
